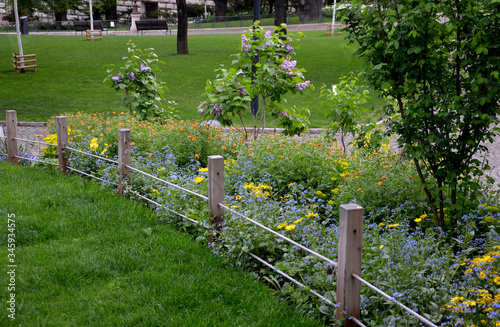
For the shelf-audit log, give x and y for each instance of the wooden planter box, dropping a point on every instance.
(94, 35)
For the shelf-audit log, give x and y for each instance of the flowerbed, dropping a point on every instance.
(296, 188)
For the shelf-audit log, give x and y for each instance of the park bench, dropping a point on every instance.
(84, 25)
(151, 24)
(24, 61)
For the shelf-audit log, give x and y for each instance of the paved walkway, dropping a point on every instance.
(30, 131)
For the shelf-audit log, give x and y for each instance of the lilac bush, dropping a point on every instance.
(230, 94)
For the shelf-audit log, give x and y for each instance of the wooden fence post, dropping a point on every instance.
(123, 157)
(62, 142)
(11, 118)
(216, 190)
(349, 262)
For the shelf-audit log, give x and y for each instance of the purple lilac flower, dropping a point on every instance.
(201, 111)
(269, 41)
(244, 45)
(282, 113)
(242, 92)
(239, 72)
(288, 65)
(131, 75)
(301, 86)
(289, 49)
(144, 68)
(118, 78)
(217, 110)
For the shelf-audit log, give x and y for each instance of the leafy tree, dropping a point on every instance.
(439, 62)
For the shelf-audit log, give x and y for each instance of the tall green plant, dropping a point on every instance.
(344, 105)
(439, 61)
(144, 93)
(275, 75)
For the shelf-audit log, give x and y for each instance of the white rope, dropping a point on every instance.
(32, 159)
(359, 323)
(393, 300)
(92, 155)
(173, 211)
(168, 183)
(290, 278)
(33, 141)
(89, 175)
(279, 235)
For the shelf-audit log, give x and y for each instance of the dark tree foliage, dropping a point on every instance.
(220, 10)
(439, 61)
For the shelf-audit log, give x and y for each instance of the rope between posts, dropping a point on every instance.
(89, 175)
(279, 235)
(359, 323)
(393, 300)
(173, 211)
(32, 159)
(168, 183)
(33, 141)
(290, 278)
(92, 155)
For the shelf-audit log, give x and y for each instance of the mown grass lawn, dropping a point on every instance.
(71, 72)
(86, 257)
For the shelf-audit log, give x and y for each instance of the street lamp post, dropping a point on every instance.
(256, 17)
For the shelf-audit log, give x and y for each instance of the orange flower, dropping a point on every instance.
(194, 125)
(319, 144)
(196, 155)
(182, 121)
(282, 157)
(411, 176)
(89, 127)
(182, 128)
(120, 124)
(151, 154)
(386, 166)
(82, 123)
(380, 183)
(359, 189)
(149, 140)
(223, 148)
(133, 143)
(194, 138)
(268, 148)
(310, 143)
(250, 154)
(383, 177)
(189, 136)
(330, 153)
(138, 134)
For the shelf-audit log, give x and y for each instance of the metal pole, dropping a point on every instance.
(256, 17)
(18, 31)
(334, 13)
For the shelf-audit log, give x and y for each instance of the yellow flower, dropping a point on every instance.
(159, 169)
(335, 190)
(393, 225)
(330, 202)
(203, 170)
(381, 247)
(311, 215)
(417, 220)
(290, 227)
(198, 179)
(298, 221)
(381, 224)
(235, 206)
(280, 226)
(238, 197)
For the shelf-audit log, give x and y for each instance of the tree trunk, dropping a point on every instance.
(280, 13)
(220, 10)
(310, 10)
(182, 28)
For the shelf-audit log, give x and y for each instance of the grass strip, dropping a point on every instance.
(86, 257)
